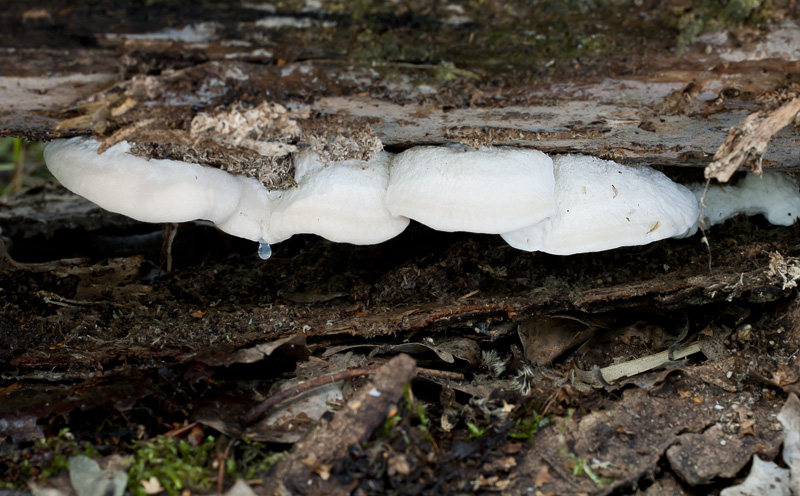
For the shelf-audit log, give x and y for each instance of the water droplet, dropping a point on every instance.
(264, 251)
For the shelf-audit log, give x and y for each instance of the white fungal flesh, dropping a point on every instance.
(159, 190)
(343, 202)
(774, 194)
(492, 190)
(604, 205)
(572, 204)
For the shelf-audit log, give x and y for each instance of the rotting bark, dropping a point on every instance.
(629, 82)
(314, 465)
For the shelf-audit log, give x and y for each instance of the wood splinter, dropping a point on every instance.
(747, 142)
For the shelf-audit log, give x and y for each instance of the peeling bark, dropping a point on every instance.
(632, 83)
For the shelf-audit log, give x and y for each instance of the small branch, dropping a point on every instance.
(748, 141)
(54, 299)
(170, 230)
(221, 469)
(440, 374)
(259, 410)
(313, 462)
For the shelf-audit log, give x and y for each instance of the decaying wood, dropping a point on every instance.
(748, 141)
(260, 409)
(629, 87)
(308, 468)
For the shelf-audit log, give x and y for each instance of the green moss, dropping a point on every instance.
(713, 15)
(526, 428)
(177, 464)
(499, 37)
(174, 462)
(45, 459)
(517, 41)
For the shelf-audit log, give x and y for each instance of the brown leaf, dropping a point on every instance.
(747, 427)
(545, 338)
(543, 477)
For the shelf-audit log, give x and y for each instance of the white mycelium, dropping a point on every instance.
(342, 202)
(491, 190)
(774, 194)
(604, 205)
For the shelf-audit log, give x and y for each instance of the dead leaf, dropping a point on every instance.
(543, 477)
(700, 458)
(311, 297)
(747, 427)
(789, 417)
(765, 478)
(324, 471)
(502, 485)
(545, 338)
(151, 485)
(240, 488)
(290, 347)
(398, 464)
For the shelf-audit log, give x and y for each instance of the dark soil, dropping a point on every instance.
(115, 349)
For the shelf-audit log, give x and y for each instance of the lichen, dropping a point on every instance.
(696, 18)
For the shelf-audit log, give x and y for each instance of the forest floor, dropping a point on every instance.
(531, 373)
(435, 363)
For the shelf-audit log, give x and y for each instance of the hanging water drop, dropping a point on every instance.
(264, 250)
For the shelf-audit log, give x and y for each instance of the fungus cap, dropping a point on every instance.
(159, 190)
(774, 194)
(491, 190)
(604, 205)
(342, 202)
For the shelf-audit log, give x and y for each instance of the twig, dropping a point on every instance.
(748, 140)
(559, 470)
(221, 468)
(307, 469)
(170, 230)
(701, 226)
(677, 344)
(259, 410)
(180, 430)
(55, 299)
(440, 374)
(598, 376)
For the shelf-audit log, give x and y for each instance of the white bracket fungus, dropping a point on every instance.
(774, 194)
(342, 202)
(159, 190)
(492, 190)
(604, 205)
(572, 204)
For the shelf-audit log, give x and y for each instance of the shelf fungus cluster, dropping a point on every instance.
(563, 205)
